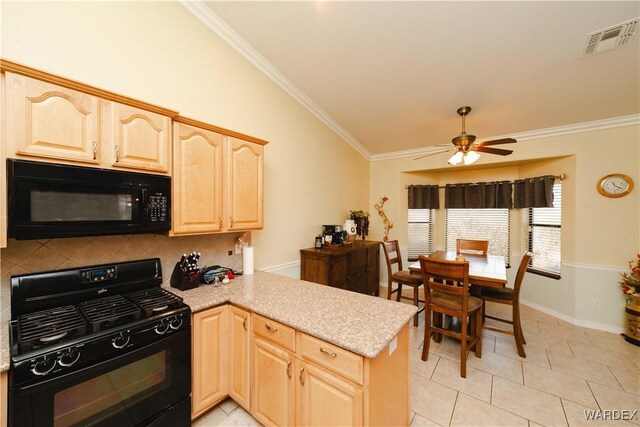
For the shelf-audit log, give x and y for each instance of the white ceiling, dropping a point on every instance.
(392, 74)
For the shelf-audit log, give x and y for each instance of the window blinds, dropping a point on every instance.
(545, 235)
(420, 240)
(480, 224)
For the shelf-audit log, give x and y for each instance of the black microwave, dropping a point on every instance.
(47, 200)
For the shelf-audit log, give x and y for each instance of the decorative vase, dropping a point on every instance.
(632, 321)
(350, 228)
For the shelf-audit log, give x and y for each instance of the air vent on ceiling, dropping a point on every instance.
(612, 37)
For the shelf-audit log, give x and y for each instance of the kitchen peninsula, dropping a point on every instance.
(294, 352)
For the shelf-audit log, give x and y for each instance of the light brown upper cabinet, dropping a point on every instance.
(53, 119)
(139, 139)
(245, 187)
(197, 180)
(49, 121)
(217, 179)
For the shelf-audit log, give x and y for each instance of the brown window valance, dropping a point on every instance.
(480, 195)
(423, 197)
(533, 192)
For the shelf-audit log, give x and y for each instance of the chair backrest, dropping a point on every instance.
(392, 255)
(524, 263)
(472, 246)
(450, 277)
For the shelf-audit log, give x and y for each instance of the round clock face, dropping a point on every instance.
(615, 185)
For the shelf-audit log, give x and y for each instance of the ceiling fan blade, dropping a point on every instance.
(434, 153)
(496, 142)
(490, 150)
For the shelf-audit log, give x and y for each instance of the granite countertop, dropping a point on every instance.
(356, 322)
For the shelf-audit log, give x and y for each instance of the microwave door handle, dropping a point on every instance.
(144, 206)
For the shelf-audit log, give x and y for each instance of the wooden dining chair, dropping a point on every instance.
(511, 297)
(446, 286)
(401, 277)
(472, 246)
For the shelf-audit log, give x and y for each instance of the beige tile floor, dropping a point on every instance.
(568, 370)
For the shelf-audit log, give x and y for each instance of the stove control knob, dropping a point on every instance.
(44, 366)
(162, 327)
(121, 340)
(176, 322)
(70, 357)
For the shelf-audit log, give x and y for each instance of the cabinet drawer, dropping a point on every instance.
(275, 332)
(332, 357)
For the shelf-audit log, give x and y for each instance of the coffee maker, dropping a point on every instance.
(332, 234)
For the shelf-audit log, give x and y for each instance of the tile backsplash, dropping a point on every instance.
(26, 256)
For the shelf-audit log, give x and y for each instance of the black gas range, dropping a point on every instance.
(99, 345)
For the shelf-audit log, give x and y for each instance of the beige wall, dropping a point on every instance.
(599, 235)
(158, 52)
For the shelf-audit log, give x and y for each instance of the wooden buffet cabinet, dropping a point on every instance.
(355, 267)
(285, 377)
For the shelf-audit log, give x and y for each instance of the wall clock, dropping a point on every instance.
(615, 185)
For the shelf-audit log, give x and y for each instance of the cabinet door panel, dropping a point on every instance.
(325, 400)
(272, 400)
(209, 364)
(49, 121)
(197, 180)
(239, 382)
(140, 139)
(245, 184)
(339, 271)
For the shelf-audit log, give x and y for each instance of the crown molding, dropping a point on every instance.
(208, 17)
(632, 119)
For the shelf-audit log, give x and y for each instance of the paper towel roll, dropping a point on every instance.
(247, 260)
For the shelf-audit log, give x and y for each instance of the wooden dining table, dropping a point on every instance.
(487, 271)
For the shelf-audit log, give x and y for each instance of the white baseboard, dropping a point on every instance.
(569, 319)
(289, 269)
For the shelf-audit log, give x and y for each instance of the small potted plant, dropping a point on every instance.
(361, 219)
(631, 281)
(631, 287)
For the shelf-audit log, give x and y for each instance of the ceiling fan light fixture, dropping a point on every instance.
(470, 157)
(456, 158)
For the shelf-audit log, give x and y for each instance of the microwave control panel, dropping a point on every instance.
(158, 208)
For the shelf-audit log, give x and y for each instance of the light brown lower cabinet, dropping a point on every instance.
(3, 398)
(285, 377)
(209, 362)
(324, 399)
(239, 353)
(273, 386)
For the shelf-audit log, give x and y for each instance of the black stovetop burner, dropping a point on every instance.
(77, 315)
(47, 327)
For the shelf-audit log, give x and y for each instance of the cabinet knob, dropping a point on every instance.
(289, 369)
(117, 153)
(94, 146)
(301, 376)
(230, 221)
(220, 220)
(244, 323)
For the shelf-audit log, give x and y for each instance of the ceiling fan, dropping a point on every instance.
(466, 149)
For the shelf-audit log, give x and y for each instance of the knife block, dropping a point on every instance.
(179, 281)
